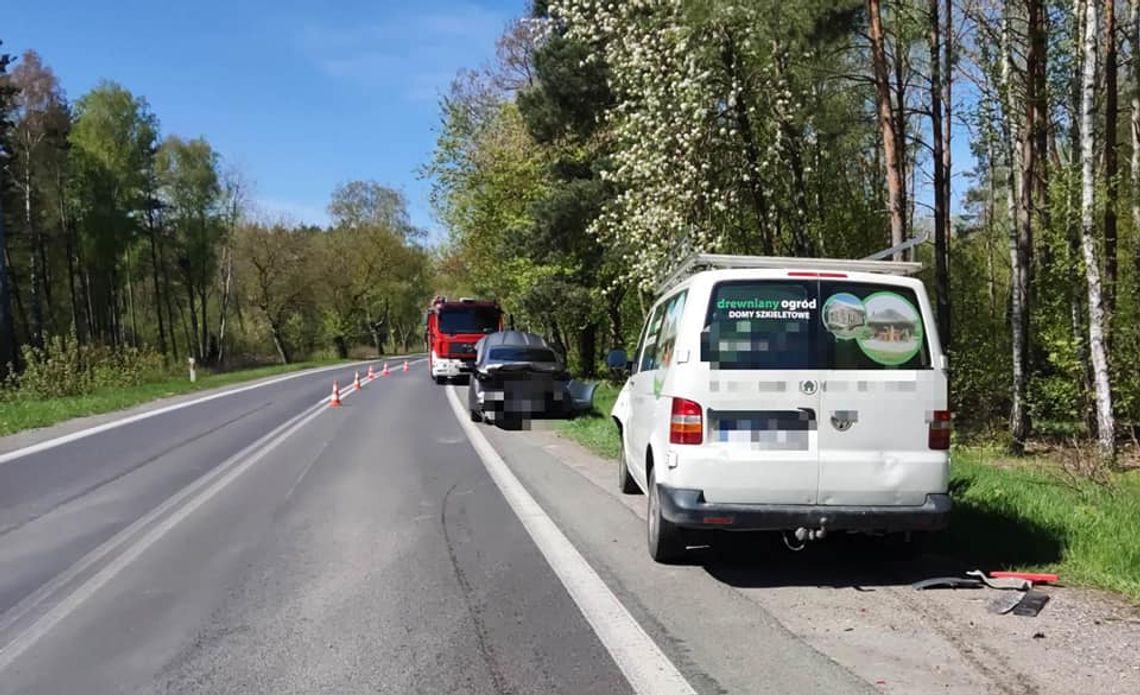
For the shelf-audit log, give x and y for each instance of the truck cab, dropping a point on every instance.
(453, 329)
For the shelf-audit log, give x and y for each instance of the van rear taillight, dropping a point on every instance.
(685, 426)
(939, 437)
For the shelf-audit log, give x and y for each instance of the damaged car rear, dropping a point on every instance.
(516, 377)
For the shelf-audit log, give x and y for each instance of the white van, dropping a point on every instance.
(799, 395)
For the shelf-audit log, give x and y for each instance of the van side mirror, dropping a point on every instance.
(943, 362)
(617, 359)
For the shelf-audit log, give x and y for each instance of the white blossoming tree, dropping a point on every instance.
(715, 133)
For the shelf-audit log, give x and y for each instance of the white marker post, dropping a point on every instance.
(193, 372)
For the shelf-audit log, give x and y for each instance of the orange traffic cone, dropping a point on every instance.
(356, 380)
(334, 400)
(371, 374)
(405, 365)
(385, 371)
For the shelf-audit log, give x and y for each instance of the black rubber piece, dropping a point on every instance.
(1031, 604)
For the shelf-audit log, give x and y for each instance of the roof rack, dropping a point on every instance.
(708, 261)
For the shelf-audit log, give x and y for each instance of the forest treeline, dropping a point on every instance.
(608, 139)
(605, 141)
(131, 248)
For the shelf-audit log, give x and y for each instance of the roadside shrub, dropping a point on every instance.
(362, 352)
(63, 367)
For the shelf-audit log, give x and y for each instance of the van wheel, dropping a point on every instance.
(476, 416)
(625, 481)
(441, 380)
(666, 541)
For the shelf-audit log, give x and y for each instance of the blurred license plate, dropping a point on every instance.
(776, 430)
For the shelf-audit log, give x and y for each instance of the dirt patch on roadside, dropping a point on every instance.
(852, 604)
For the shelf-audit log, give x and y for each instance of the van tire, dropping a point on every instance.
(440, 380)
(476, 416)
(666, 541)
(625, 481)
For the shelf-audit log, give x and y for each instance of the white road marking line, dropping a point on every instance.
(64, 439)
(194, 495)
(645, 666)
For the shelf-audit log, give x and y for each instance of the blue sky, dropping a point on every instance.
(298, 95)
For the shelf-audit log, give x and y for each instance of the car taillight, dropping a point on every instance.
(939, 437)
(685, 424)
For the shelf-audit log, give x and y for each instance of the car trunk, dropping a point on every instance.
(524, 388)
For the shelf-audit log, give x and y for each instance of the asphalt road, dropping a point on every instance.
(262, 542)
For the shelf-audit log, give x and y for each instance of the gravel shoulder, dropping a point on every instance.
(860, 610)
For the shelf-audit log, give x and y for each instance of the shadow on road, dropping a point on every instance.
(977, 539)
(762, 561)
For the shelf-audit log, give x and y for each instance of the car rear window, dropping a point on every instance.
(793, 324)
(522, 354)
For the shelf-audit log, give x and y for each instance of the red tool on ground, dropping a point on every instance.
(334, 399)
(1035, 577)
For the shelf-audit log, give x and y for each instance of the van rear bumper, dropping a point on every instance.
(687, 508)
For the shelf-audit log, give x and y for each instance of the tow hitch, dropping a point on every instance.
(802, 536)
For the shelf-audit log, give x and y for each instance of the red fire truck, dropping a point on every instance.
(453, 328)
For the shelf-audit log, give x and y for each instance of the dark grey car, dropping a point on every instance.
(517, 376)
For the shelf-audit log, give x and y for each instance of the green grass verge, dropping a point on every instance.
(21, 414)
(595, 430)
(1020, 515)
(1025, 515)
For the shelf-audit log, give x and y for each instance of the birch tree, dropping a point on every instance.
(1134, 35)
(664, 150)
(235, 190)
(7, 327)
(188, 170)
(39, 119)
(1106, 431)
(111, 140)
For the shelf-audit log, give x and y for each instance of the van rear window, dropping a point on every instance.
(808, 324)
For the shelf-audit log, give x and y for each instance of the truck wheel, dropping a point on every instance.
(666, 541)
(625, 481)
